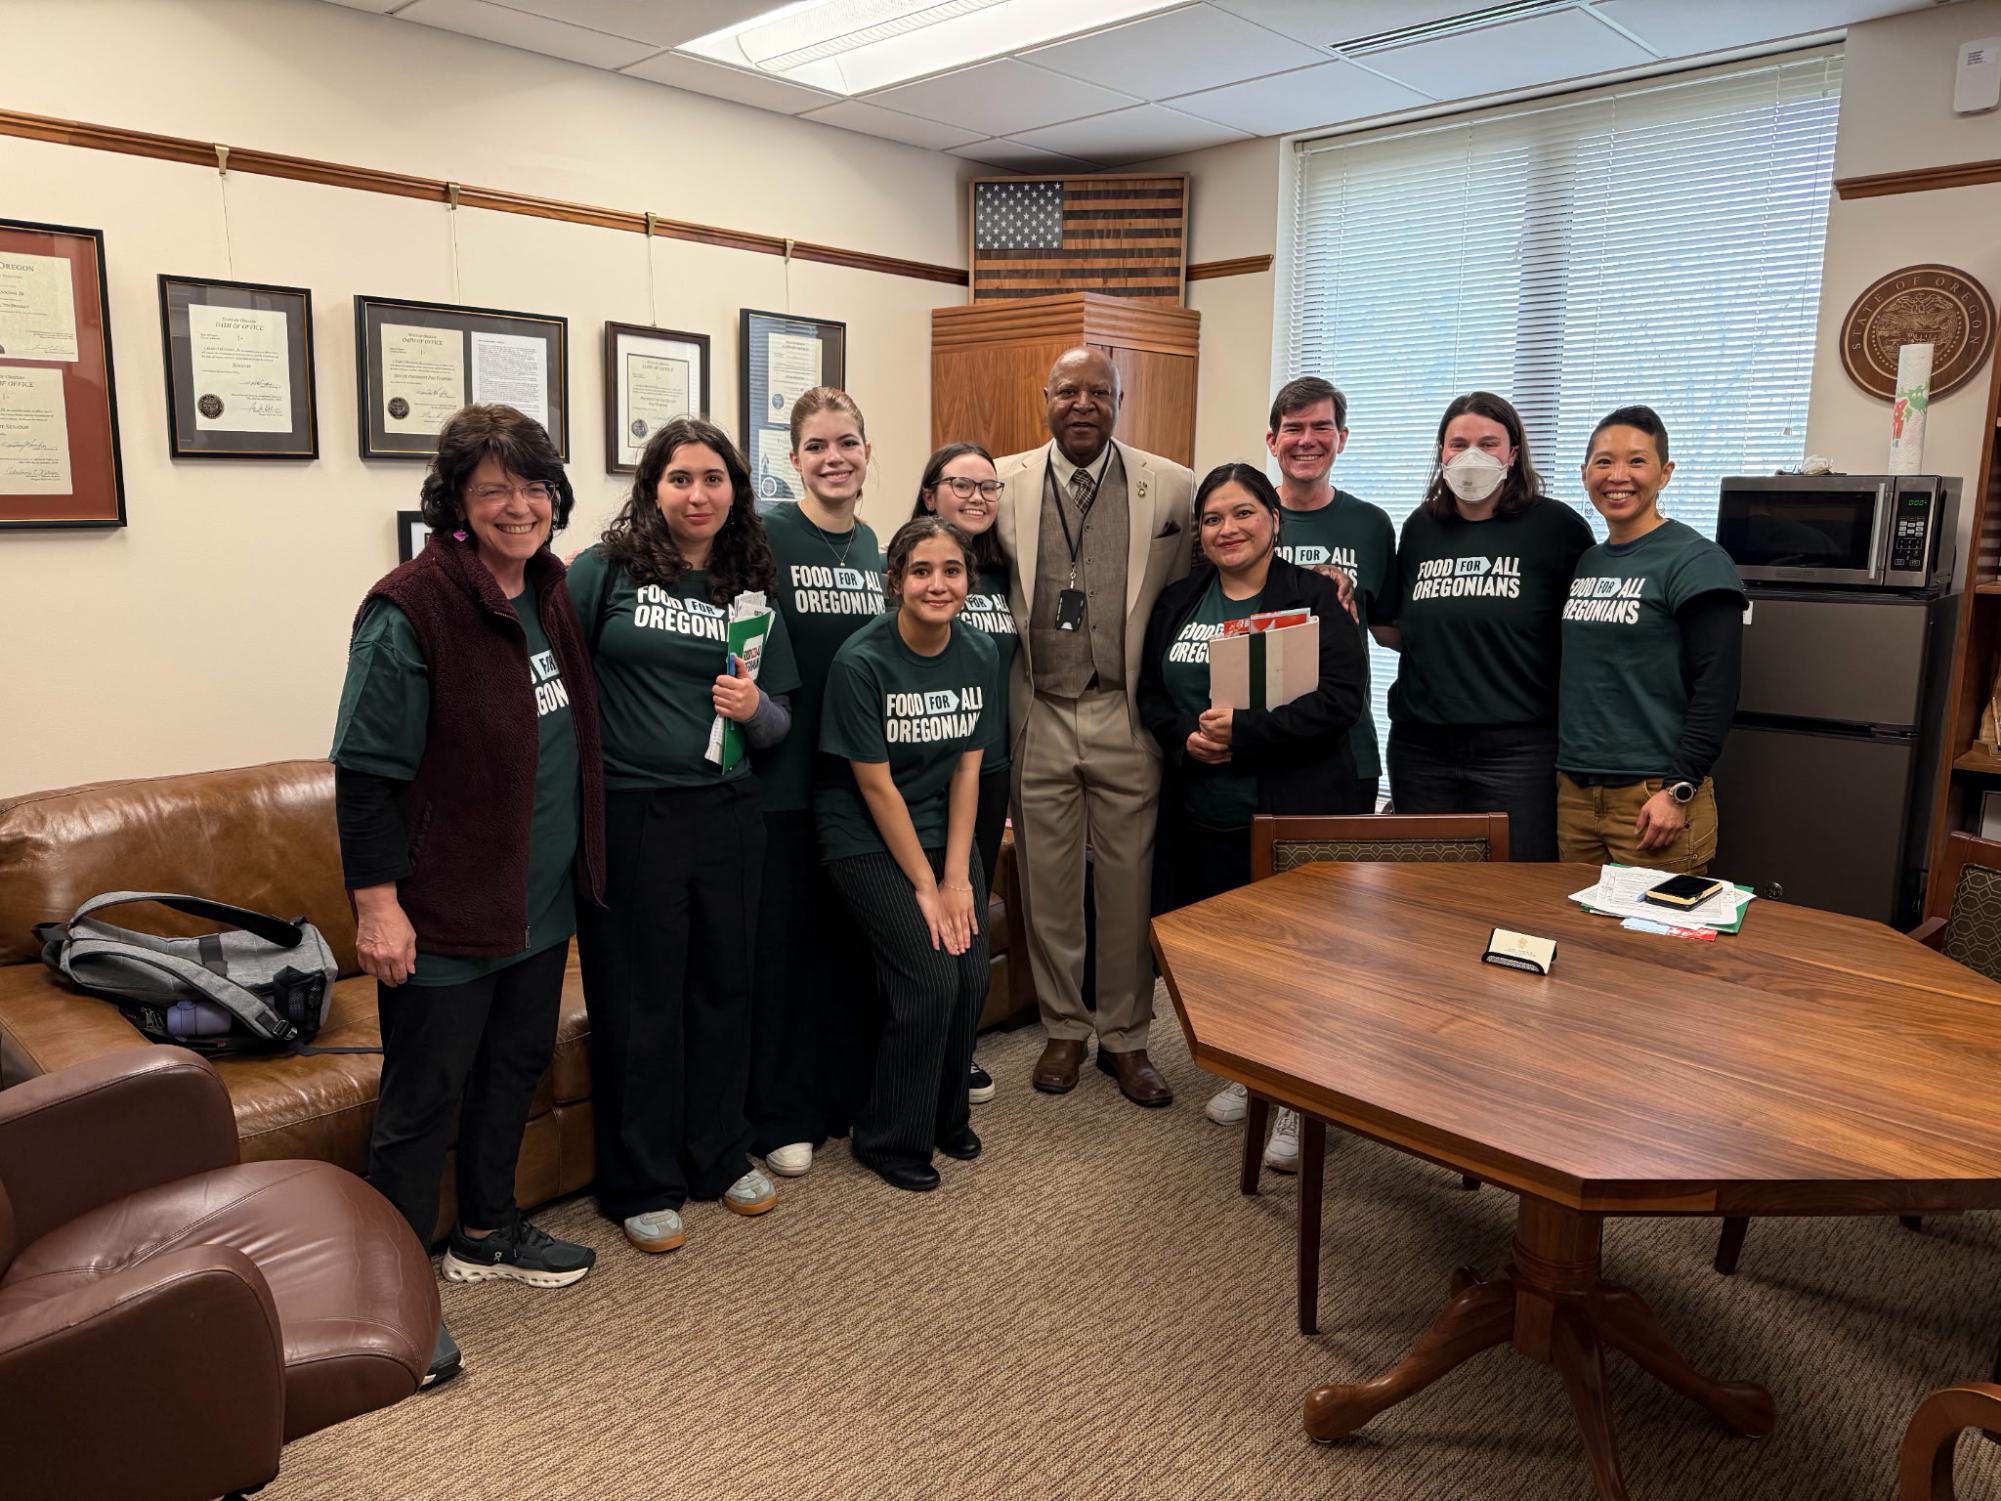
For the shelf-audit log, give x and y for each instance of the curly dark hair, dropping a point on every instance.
(637, 540)
(896, 557)
(1520, 486)
(474, 434)
(986, 546)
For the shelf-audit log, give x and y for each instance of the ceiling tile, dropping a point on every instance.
(1001, 98)
(1012, 156)
(1516, 55)
(1322, 23)
(513, 28)
(853, 114)
(1195, 48)
(702, 77)
(1329, 94)
(1678, 28)
(663, 24)
(1131, 135)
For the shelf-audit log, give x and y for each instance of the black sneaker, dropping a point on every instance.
(519, 1252)
(446, 1362)
(979, 1085)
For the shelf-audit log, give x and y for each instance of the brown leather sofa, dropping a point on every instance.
(264, 837)
(170, 1316)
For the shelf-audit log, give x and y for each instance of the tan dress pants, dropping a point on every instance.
(1081, 778)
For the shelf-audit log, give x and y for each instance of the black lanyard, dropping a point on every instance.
(1063, 513)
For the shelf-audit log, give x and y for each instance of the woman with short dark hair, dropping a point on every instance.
(1486, 563)
(469, 795)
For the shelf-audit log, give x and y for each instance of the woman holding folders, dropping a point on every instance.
(667, 962)
(815, 1002)
(905, 720)
(1486, 562)
(959, 485)
(1224, 765)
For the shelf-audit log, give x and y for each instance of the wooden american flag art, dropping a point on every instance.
(1122, 234)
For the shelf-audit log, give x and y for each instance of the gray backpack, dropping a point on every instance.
(261, 987)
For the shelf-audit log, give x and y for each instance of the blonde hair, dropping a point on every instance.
(825, 399)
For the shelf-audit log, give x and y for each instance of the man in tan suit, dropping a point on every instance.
(1095, 530)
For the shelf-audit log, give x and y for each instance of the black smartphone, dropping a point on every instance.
(1682, 892)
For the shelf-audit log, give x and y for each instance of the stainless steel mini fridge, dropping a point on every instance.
(1824, 788)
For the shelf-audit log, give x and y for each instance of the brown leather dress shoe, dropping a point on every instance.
(1056, 1070)
(1139, 1080)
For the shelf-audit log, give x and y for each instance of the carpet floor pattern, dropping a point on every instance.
(1092, 1310)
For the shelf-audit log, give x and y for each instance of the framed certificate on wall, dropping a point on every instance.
(411, 533)
(239, 361)
(59, 460)
(781, 358)
(651, 376)
(416, 363)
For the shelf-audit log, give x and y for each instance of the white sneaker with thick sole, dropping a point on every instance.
(753, 1193)
(1227, 1106)
(1282, 1151)
(656, 1231)
(794, 1160)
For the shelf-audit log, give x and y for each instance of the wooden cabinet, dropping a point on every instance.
(989, 361)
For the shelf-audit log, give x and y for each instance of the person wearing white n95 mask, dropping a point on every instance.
(1484, 564)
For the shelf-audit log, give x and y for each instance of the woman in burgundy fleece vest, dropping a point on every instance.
(470, 798)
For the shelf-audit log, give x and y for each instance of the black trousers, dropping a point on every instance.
(666, 967)
(814, 1010)
(1507, 769)
(477, 1048)
(931, 1002)
(990, 821)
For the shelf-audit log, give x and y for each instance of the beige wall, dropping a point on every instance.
(211, 630)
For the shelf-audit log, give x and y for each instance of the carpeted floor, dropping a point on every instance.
(1091, 1310)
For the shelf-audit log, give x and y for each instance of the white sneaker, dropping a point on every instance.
(1227, 1106)
(656, 1231)
(1282, 1151)
(792, 1161)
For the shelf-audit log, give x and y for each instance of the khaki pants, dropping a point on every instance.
(1081, 778)
(1596, 824)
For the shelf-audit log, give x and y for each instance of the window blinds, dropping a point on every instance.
(1656, 243)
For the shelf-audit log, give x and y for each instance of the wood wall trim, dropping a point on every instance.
(436, 190)
(1243, 265)
(1916, 180)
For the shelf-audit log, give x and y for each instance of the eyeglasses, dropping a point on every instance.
(534, 492)
(959, 485)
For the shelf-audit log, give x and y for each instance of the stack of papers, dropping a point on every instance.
(1264, 662)
(1618, 891)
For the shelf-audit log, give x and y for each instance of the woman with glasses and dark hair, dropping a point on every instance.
(1486, 563)
(469, 795)
(667, 963)
(905, 721)
(960, 485)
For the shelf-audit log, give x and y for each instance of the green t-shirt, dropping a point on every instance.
(1216, 797)
(385, 711)
(885, 702)
(1624, 695)
(1478, 605)
(657, 652)
(829, 585)
(1350, 534)
(987, 611)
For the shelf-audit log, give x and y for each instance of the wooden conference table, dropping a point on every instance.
(1811, 1064)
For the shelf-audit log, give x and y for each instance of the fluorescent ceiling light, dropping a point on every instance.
(854, 46)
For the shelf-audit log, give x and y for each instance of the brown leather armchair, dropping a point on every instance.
(171, 1316)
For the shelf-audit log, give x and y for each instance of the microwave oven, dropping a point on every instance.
(1870, 531)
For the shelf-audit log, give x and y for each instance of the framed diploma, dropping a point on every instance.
(651, 376)
(239, 370)
(59, 458)
(411, 531)
(416, 363)
(782, 357)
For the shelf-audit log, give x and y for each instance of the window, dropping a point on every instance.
(1658, 243)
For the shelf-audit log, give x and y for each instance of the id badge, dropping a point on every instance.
(1070, 610)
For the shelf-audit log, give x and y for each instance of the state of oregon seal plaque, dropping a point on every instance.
(1933, 305)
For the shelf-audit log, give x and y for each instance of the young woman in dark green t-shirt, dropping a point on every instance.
(905, 718)
(960, 485)
(667, 959)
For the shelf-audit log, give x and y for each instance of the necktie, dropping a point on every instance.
(1082, 491)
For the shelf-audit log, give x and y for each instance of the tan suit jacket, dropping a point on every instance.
(1159, 500)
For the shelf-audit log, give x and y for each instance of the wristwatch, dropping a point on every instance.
(1681, 792)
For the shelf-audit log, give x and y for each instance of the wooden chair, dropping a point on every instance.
(1281, 844)
(1962, 921)
(1924, 1465)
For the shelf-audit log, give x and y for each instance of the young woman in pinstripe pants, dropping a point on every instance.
(906, 718)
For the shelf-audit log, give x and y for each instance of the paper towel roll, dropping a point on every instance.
(1907, 411)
